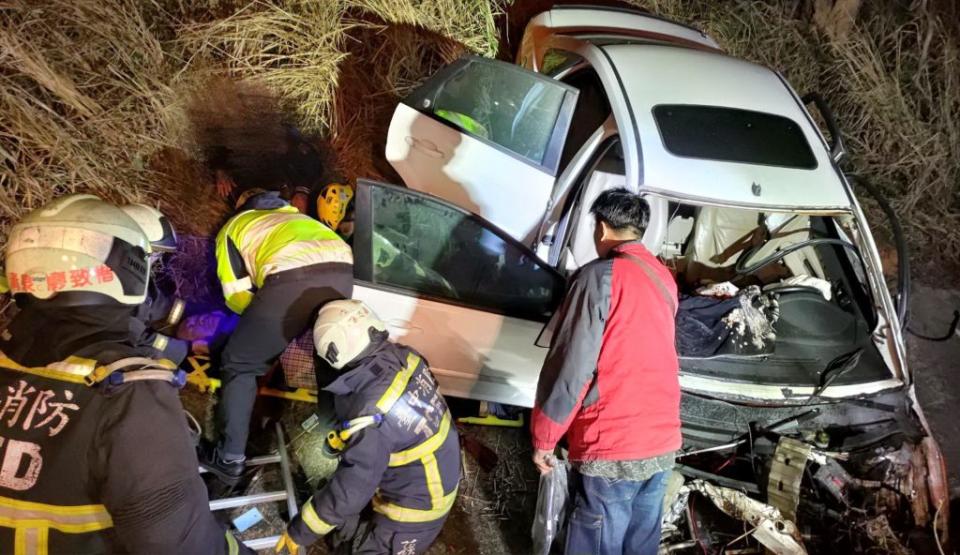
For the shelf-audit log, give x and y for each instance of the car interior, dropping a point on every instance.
(784, 291)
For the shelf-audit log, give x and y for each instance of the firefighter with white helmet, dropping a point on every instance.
(155, 226)
(96, 451)
(160, 311)
(80, 245)
(397, 445)
(276, 267)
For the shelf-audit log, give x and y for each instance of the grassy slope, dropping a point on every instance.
(112, 99)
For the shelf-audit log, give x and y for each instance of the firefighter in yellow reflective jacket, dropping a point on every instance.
(398, 447)
(95, 453)
(277, 267)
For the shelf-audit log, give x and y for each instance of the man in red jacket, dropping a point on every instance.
(610, 385)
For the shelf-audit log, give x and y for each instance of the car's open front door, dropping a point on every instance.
(468, 297)
(487, 136)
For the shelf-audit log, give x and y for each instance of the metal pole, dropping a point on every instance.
(260, 544)
(292, 508)
(232, 502)
(256, 461)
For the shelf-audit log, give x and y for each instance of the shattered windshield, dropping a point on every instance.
(770, 298)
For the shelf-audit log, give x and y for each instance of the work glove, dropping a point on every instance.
(287, 542)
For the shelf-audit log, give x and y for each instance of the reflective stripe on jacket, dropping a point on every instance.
(408, 467)
(95, 469)
(80, 477)
(255, 244)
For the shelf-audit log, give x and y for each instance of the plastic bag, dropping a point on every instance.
(551, 514)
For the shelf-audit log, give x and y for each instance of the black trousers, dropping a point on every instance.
(281, 310)
(378, 535)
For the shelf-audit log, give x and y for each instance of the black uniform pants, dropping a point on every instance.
(384, 537)
(280, 311)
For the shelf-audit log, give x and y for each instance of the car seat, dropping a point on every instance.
(720, 235)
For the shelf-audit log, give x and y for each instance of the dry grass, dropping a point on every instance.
(894, 86)
(898, 94)
(293, 47)
(193, 270)
(124, 98)
(471, 22)
(296, 47)
(403, 55)
(85, 97)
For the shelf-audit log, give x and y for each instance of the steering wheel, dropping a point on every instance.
(741, 268)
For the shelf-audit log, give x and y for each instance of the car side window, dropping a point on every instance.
(427, 246)
(517, 110)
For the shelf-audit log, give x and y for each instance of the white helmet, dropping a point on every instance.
(155, 225)
(80, 245)
(345, 330)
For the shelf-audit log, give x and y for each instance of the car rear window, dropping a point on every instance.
(733, 135)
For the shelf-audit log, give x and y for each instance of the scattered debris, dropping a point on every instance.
(752, 323)
(786, 473)
(770, 527)
(723, 290)
(878, 529)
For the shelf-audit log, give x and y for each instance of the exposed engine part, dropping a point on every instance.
(879, 531)
(674, 547)
(835, 479)
(786, 473)
(778, 534)
(828, 479)
(907, 473)
(691, 472)
(674, 504)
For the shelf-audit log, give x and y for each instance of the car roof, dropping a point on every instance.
(652, 75)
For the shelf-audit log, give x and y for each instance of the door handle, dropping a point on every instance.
(423, 145)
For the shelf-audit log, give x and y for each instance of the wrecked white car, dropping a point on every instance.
(796, 387)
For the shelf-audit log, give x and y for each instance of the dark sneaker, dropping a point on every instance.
(228, 472)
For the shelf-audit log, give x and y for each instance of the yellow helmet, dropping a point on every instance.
(332, 204)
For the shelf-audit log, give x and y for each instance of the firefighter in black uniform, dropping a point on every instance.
(95, 454)
(399, 448)
(160, 312)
